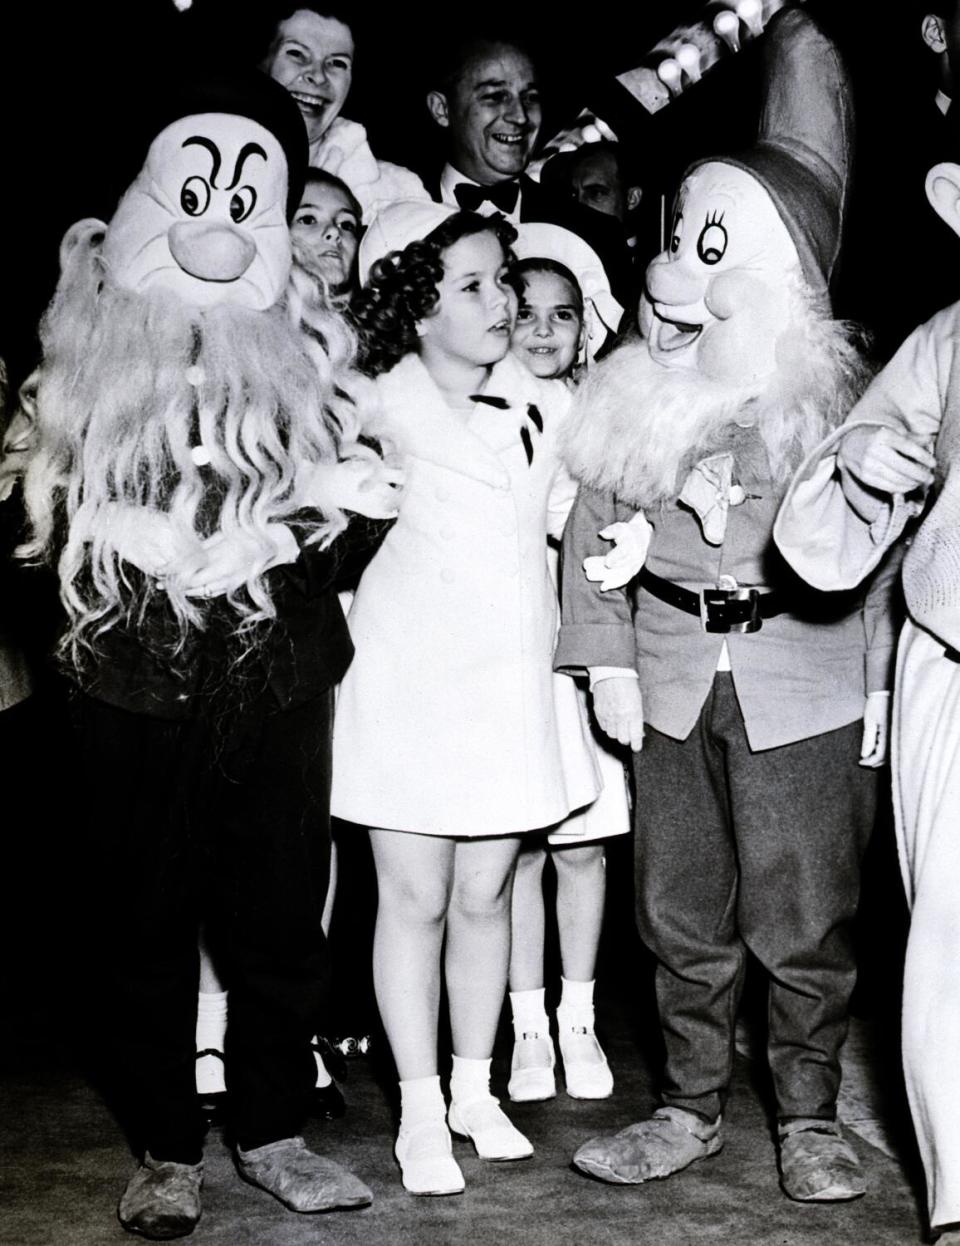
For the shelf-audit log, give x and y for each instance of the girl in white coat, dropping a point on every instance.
(453, 735)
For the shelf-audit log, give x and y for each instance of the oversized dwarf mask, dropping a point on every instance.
(752, 230)
(717, 299)
(205, 218)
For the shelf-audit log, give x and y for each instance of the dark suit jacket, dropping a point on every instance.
(304, 651)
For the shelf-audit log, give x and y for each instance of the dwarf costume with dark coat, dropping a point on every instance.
(752, 812)
(180, 395)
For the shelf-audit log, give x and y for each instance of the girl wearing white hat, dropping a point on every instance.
(557, 328)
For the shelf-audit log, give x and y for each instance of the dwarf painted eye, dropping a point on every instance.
(712, 242)
(241, 204)
(677, 233)
(195, 196)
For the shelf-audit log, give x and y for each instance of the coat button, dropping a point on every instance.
(448, 575)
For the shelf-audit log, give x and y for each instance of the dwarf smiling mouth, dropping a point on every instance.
(675, 334)
(509, 138)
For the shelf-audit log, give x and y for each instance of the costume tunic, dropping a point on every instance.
(450, 720)
(752, 813)
(834, 532)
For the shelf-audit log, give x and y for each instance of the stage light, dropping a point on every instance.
(688, 58)
(726, 26)
(750, 13)
(671, 75)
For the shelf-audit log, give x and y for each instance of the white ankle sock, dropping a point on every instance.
(529, 1013)
(211, 1020)
(421, 1099)
(469, 1080)
(576, 1005)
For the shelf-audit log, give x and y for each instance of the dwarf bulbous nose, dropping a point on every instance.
(209, 251)
(668, 282)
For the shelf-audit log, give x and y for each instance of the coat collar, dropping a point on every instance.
(417, 419)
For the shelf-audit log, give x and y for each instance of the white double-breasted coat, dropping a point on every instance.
(451, 721)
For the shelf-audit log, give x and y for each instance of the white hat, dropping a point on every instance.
(601, 311)
(396, 226)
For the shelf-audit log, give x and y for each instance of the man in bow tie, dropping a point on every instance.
(488, 100)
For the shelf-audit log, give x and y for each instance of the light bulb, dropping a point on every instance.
(750, 12)
(671, 75)
(726, 26)
(688, 58)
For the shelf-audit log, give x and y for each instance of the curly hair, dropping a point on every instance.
(403, 288)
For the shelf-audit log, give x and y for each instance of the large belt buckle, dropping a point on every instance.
(730, 608)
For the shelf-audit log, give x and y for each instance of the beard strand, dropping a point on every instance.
(130, 385)
(637, 428)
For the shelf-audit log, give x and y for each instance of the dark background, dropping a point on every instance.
(79, 79)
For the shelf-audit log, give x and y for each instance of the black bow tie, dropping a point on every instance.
(503, 196)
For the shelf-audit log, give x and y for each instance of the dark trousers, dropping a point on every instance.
(227, 825)
(740, 850)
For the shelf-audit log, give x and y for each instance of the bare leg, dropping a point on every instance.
(478, 941)
(581, 889)
(210, 983)
(415, 879)
(331, 890)
(528, 920)
(581, 886)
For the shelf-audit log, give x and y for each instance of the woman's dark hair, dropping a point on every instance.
(403, 288)
(540, 264)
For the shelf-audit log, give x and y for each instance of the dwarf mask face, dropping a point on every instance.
(719, 299)
(205, 218)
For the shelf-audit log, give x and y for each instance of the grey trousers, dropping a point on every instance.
(740, 850)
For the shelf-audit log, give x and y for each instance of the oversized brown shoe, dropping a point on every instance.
(301, 1180)
(670, 1141)
(162, 1199)
(817, 1165)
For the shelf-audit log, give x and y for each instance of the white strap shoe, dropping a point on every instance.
(425, 1156)
(487, 1127)
(531, 1069)
(585, 1069)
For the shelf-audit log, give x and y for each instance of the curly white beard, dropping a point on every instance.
(637, 428)
(118, 417)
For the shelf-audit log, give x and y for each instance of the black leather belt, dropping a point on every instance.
(724, 608)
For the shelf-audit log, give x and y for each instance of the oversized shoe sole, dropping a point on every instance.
(604, 1172)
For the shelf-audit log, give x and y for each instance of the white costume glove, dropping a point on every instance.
(630, 544)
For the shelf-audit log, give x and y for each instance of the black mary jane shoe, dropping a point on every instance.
(327, 1103)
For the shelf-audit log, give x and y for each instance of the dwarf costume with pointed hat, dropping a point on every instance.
(752, 810)
(842, 515)
(190, 405)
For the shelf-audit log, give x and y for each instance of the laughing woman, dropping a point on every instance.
(454, 737)
(311, 54)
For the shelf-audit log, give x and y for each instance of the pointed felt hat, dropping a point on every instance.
(805, 142)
